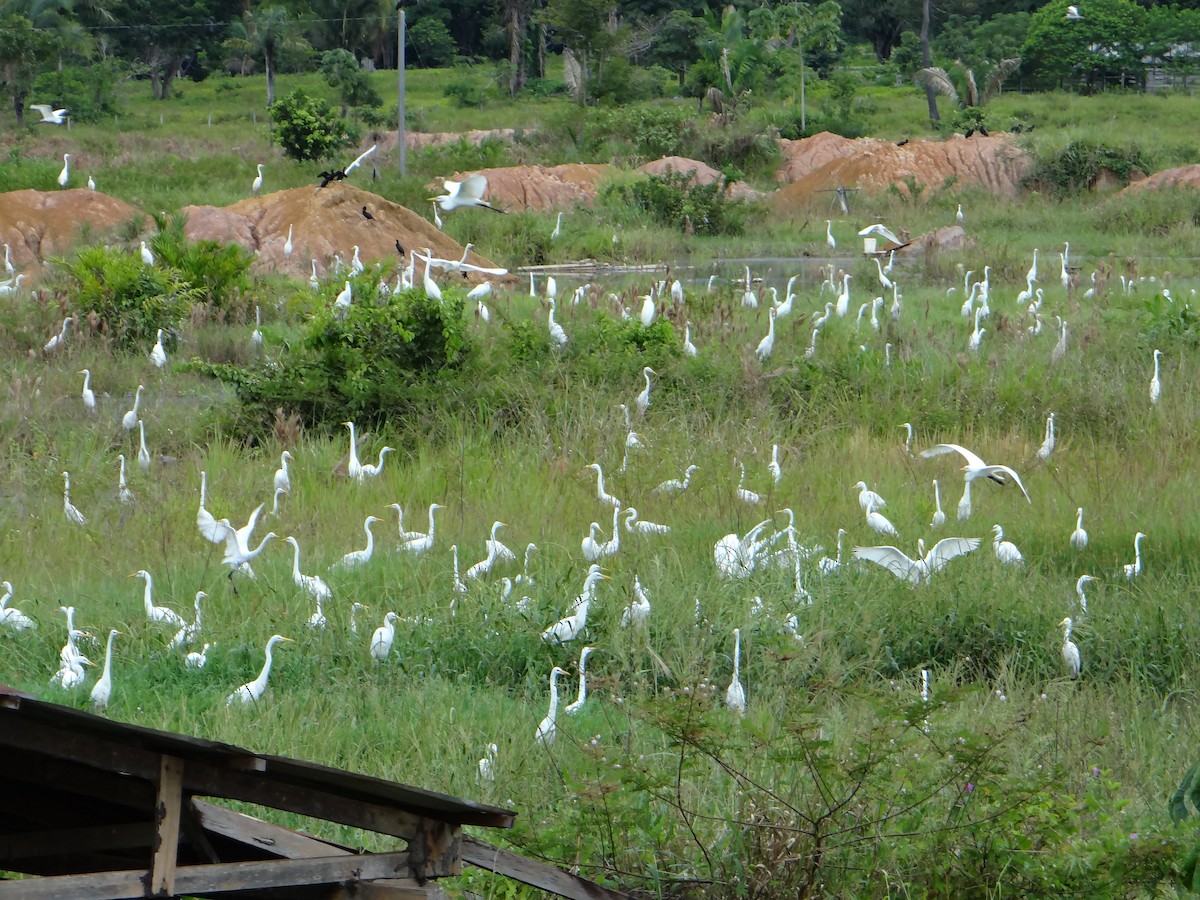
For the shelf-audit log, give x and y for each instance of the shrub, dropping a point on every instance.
(676, 200)
(307, 127)
(217, 272)
(1076, 167)
(431, 43)
(465, 93)
(87, 93)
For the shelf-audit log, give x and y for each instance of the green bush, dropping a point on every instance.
(88, 94)
(676, 200)
(372, 364)
(431, 44)
(129, 300)
(308, 128)
(465, 93)
(1076, 167)
(217, 272)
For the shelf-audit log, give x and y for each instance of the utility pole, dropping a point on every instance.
(400, 144)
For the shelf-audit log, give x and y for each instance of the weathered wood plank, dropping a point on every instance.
(76, 840)
(167, 812)
(208, 879)
(263, 836)
(480, 853)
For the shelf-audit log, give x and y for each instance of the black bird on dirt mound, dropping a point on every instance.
(339, 174)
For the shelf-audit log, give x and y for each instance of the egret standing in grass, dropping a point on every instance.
(1070, 652)
(1156, 382)
(735, 694)
(939, 517)
(130, 419)
(383, 638)
(252, 691)
(102, 690)
(547, 729)
(74, 516)
(1048, 444)
(1079, 537)
(1006, 551)
(65, 175)
(1134, 569)
(256, 185)
(158, 354)
(572, 708)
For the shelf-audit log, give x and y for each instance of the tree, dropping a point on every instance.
(675, 42)
(878, 23)
(970, 101)
(808, 29)
(584, 28)
(23, 51)
(266, 32)
(1106, 42)
(342, 72)
(927, 62)
(166, 33)
(517, 16)
(306, 127)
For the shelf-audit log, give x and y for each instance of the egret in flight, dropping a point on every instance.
(468, 192)
(926, 565)
(50, 116)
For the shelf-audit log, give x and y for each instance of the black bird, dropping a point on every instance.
(970, 131)
(399, 249)
(367, 215)
(983, 131)
(331, 175)
(902, 143)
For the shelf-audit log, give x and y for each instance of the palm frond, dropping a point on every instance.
(1003, 69)
(938, 81)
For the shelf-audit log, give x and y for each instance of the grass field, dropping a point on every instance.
(838, 780)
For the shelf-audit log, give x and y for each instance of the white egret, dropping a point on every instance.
(964, 503)
(484, 566)
(158, 354)
(643, 399)
(353, 466)
(130, 419)
(767, 344)
(287, 245)
(65, 175)
(1134, 569)
(879, 523)
(188, 633)
(1006, 551)
(420, 543)
(373, 470)
(209, 529)
(88, 395)
(356, 263)
(883, 279)
(357, 558)
(735, 694)
(488, 762)
(558, 337)
(468, 192)
(313, 585)
(344, 298)
(143, 456)
(830, 241)
(648, 312)
(926, 565)
(1047, 447)
(283, 481)
(252, 691)
(976, 468)
(551, 288)
(317, 619)
(773, 466)
(147, 255)
(976, 338)
(1070, 652)
(635, 525)
(883, 231)
(71, 674)
(256, 184)
(74, 516)
(601, 494)
(1156, 382)
(1079, 537)
(102, 690)
(50, 116)
(196, 660)
(355, 609)
(908, 434)
(13, 618)
(1073, 15)
(827, 566)
(8, 266)
(547, 729)
(842, 306)
(867, 498)
(569, 627)
(689, 348)
(313, 281)
(238, 552)
(383, 638)
(675, 485)
(526, 575)
(154, 613)
(958, 216)
(638, 611)
(57, 340)
(1083, 581)
(91, 183)
(10, 286)
(1060, 348)
(572, 708)
(743, 493)
(404, 535)
(1032, 274)
(480, 291)
(256, 336)
(494, 545)
(939, 517)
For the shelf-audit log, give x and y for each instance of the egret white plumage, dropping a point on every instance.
(1006, 551)
(283, 481)
(572, 708)
(102, 690)
(1060, 348)
(883, 279)
(547, 729)
(8, 266)
(158, 354)
(210, 530)
(314, 282)
(11, 286)
(468, 192)
(256, 337)
(975, 468)
(773, 466)
(743, 493)
(420, 543)
(74, 516)
(958, 216)
(383, 638)
(256, 185)
(635, 525)
(689, 348)
(643, 399)
(1156, 382)
(1073, 14)
(638, 611)
(375, 469)
(189, 632)
(1083, 581)
(1070, 652)
(570, 626)
(879, 523)
(1134, 569)
(88, 395)
(143, 456)
(735, 694)
(649, 311)
(313, 585)
(558, 337)
(160, 614)
(827, 565)
(830, 241)
(882, 230)
(356, 263)
(926, 565)
(252, 691)
(238, 553)
(842, 306)
(130, 419)
(908, 434)
(196, 660)
(357, 558)
(976, 339)
(147, 255)
(488, 762)
(353, 466)
(57, 340)
(1047, 447)
(494, 545)
(675, 485)
(767, 344)
(50, 116)
(13, 618)
(939, 517)
(601, 494)
(1079, 537)
(344, 298)
(65, 175)
(287, 245)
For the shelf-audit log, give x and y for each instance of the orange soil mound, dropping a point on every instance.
(1181, 177)
(826, 161)
(539, 187)
(325, 221)
(701, 172)
(38, 224)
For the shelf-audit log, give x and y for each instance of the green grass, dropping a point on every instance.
(832, 778)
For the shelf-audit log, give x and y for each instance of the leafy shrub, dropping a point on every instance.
(620, 82)
(88, 94)
(1164, 321)
(676, 200)
(1076, 167)
(465, 93)
(431, 43)
(129, 300)
(370, 365)
(341, 71)
(218, 272)
(308, 128)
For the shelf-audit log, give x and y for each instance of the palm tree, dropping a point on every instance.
(938, 80)
(266, 32)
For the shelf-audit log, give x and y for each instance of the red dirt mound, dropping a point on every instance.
(39, 224)
(827, 161)
(1181, 177)
(540, 187)
(701, 172)
(324, 222)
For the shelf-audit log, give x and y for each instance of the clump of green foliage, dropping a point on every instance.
(129, 300)
(1076, 167)
(676, 200)
(308, 128)
(218, 273)
(370, 363)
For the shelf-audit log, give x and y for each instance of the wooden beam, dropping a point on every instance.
(215, 879)
(167, 813)
(74, 840)
(536, 874)
(265, 837)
